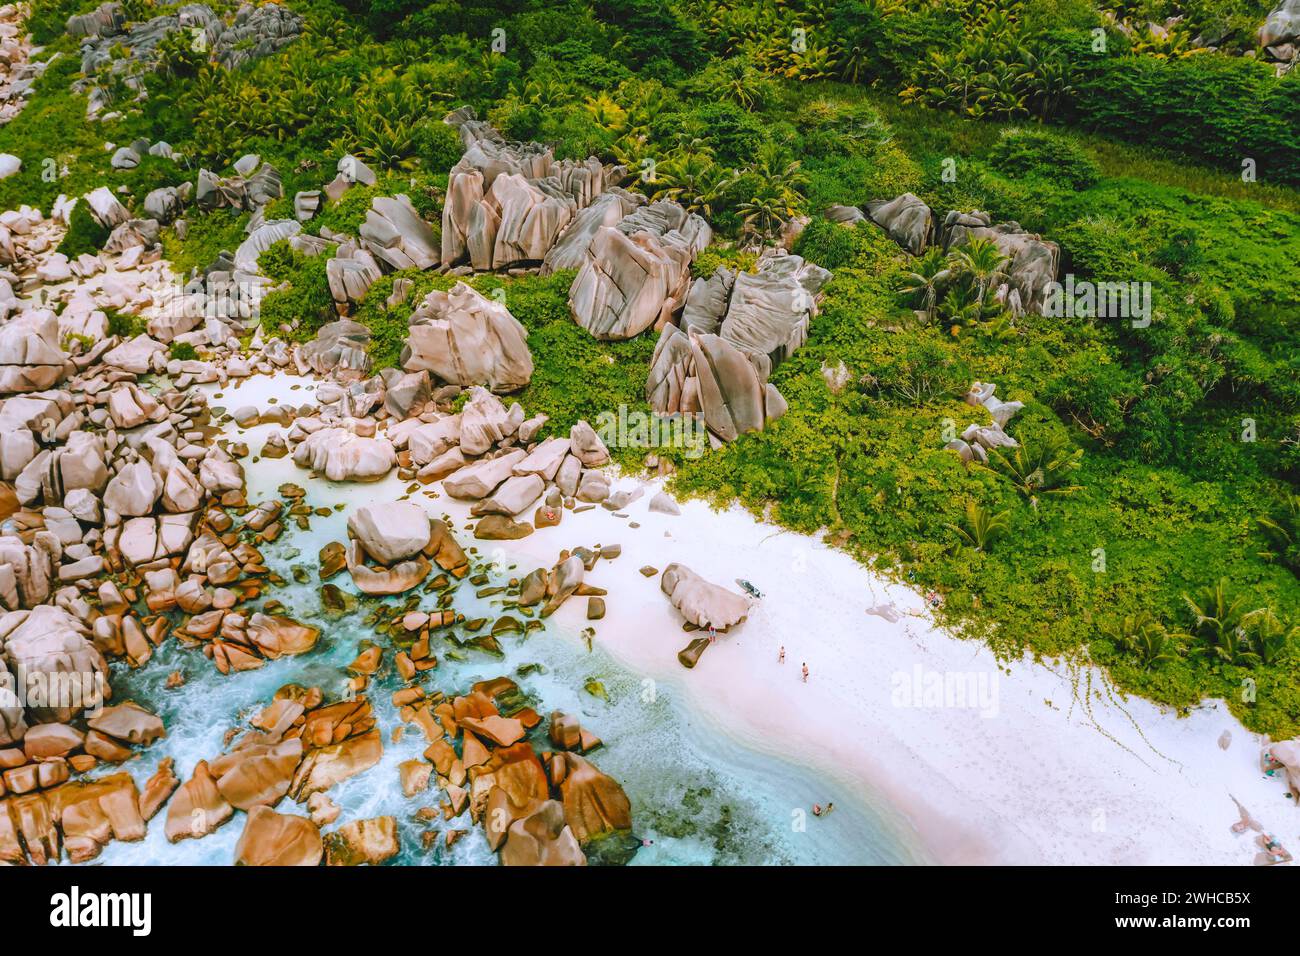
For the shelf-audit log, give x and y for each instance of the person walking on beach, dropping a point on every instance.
(713, 634)
(805, 672)
(780, 655)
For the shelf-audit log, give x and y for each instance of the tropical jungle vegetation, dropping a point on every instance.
(1148, 520)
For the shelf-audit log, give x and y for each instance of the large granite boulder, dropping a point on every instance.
(847, 215)
(482, 478)
(430, 440)
(339, 349)
(509, 203)
(485, 421)
(465, 338)
(340, 455)
(278, 839)
(50, 653)
(133, 491)
(608, 209)
(700, 602)
(398, 579)
(392, 531)
(542, 837)
(732, 395)
(594, 804)
(279, 636)
(637, 274)
(105, 208)
(395, 234)
(707, 375)
(27, 571)
(531, 216)
(769, 310)
(350, 273)
(30, 357)
(907, 219)
(1032, 260)
(707, 302)
(166, 202)
(363, 842)
(105, 20)
(1280, 34)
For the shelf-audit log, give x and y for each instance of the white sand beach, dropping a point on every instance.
(1045, 765)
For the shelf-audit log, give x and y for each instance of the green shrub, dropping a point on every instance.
(653, 34)
(127, 326)
(280, 261)
(303, 307)
(85, 236)
(183, 351)
(48, 19)
(437, 145)
(1029, 152)
(1221, 109)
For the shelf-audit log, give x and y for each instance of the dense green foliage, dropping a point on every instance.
(85, 236)
(1223, 110)
(1155, 463)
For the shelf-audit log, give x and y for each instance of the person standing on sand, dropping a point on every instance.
(780, 655)
(805, 672)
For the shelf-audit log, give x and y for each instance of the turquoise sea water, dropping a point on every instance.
(698, 795)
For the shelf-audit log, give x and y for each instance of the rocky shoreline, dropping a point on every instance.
(129, 533)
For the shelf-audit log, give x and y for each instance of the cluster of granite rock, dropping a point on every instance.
(534, 811)
(122, 514)
(511, 204)
(734, 330)
(18, 72)
(251, 33)
(1033, 260)
(977, 441)
(514, 206)
(44, 813)
(1279, 37)
(485, 452)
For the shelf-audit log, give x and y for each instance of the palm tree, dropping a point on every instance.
(1272, 637)
(1283, 533)
(854, 61)
(606, 113)
(778, 197)
(1038, 468)
(958, 308)
(931, 272)
(980, 527)
(1222, 620)
(692, 179)
(1144, 637)
(736, 79)
(764, 212)
(983, 261)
